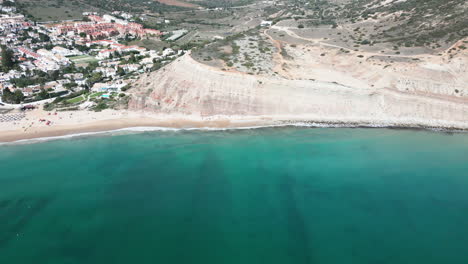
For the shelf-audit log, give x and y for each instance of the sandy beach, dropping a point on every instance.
(42, 124)
(39, 124)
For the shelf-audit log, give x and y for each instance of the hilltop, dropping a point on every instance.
(57, 10)
(413, 22)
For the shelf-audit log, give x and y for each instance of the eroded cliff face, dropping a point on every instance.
(444, 75)
(188, 87)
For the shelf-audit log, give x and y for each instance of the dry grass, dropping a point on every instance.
(177, 3)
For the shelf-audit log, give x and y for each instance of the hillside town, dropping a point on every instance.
(73, 64)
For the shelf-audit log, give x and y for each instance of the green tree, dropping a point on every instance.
(12, 98)
(101, 106)
(95, 77)
(132, 59)
(54, 75)
(43, 94)
(7, 58)
(7, 95)
(70, 85)
(43, 37)
(18, 96)
(120, 71)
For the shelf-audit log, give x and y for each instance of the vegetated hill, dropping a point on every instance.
(414, 22)
(132, 5)
(222, 3)
(403, 22)
(45, 10)
(53, 10)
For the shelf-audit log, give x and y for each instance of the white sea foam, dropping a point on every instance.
(87, 134)
(142, 130)
(129, 130)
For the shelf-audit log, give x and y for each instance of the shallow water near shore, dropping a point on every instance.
(271, 195)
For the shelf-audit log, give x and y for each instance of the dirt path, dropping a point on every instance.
(291, 33)
(277, 57)
(208, 9)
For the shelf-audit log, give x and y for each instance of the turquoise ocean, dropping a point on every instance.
(270, 195)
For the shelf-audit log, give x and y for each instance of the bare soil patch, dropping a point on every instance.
(176, 3)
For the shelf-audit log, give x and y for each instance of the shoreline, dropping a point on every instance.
(121, 121)
(105, 126)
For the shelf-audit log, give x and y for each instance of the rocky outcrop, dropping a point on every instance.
(188, 87)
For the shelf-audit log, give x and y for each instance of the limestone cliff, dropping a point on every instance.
(188, 87)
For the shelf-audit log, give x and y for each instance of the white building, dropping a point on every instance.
(80, 82)
(27, 65)
(107, 72)
(45, 64)
(266, 23)
(126, 15)
(129, 67)
(49, 55)
(146, 61)
(73, 76)
(109, 19)
(168, 52)
(108, 87)
(177, 34)
(65, 52)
